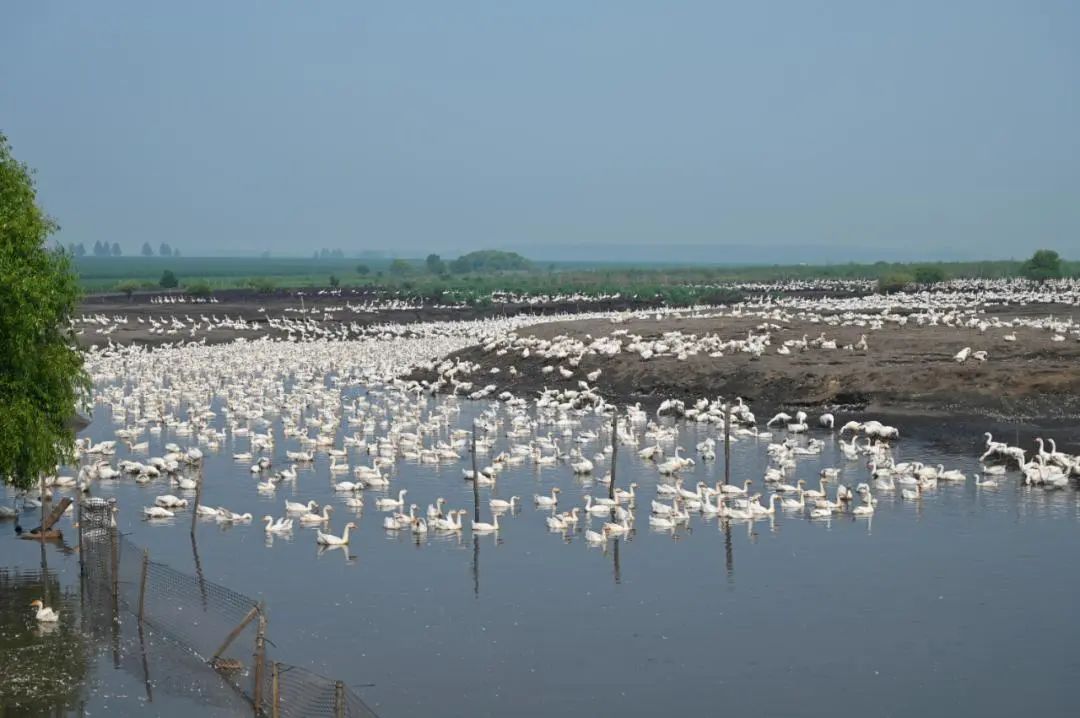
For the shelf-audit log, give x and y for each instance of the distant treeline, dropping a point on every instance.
(480, 273)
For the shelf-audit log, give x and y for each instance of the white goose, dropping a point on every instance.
(434, 511)
(503, 504)
(481, 527)
(866, 508)
(332, 540)
(293, 507)
(313, 518)
(793, 504)
(387, 504)
(44, 614)
(552, 500)
(661, 522)
(448, 523)
(282, 525)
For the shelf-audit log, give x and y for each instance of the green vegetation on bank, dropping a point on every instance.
(478, 274)
(42, 380)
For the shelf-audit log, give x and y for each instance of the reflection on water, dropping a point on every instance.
(915, 608)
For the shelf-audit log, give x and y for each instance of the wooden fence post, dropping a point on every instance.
(114, 564)
(260, 660)
(275, 687)
(78, 523)
(115, 587)
(234, 633)
(339, 700)
(142, 583)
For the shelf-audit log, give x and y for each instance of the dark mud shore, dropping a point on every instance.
(331, 311)
(908, 378)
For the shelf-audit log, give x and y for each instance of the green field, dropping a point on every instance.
(672, 282)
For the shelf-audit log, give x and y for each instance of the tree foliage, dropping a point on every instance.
(895, 282)
(489, 260)
(168, 280)
(42, 380)
(147, 250)
(435, 264)
(929, 274)
(199, 288)
(127, 287)
(262, 285)
(1044, 264)
(400, 267)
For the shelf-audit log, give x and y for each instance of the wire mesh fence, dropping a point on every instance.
(223, 630)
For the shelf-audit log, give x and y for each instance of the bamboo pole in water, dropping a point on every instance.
(727, 444)
(475, 479)
(614, 451)
(142, 584)
(198, 500)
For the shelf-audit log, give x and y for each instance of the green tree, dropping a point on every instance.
(1044, 264)
(116, 251)
(435, 264)
(894, 282)
(334, 281)
(262, 285)
(147, 250)
(168, 280)
(929, 274)
(400, 267)
(199, 288)
(127, 287)
(165, 250)
(42, 380)
(363, 270)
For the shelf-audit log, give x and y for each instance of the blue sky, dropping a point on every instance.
(850, 128)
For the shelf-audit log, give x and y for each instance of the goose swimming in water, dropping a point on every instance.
(44, 614)
(552, 500)
(480, 527)
(503, 504)
(331, 540)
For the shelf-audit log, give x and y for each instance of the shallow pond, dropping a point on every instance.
(960, 602)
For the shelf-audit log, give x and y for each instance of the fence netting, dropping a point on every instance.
(220, 630)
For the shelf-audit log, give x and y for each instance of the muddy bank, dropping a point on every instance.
(906, 377)
(329, 310)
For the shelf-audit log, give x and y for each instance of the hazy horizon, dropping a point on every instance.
(785, 132)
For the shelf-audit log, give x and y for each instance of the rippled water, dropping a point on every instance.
(961, 602)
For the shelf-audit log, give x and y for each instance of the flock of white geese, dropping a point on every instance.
(295, 405)
(280, 405)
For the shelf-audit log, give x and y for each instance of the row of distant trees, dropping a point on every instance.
(1045, 264)
(104, 249)
(488, 260)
